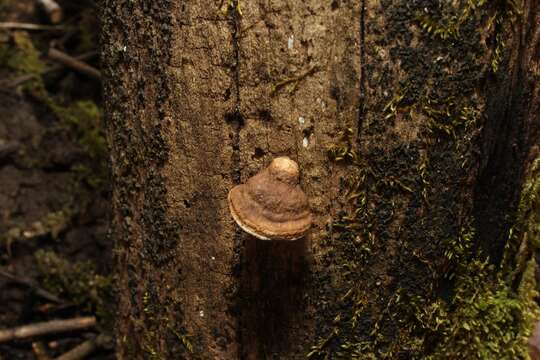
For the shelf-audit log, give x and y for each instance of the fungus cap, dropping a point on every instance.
(271, 205)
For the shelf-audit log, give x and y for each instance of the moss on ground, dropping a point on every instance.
(21, 56)
(78, 283)
(83, 119)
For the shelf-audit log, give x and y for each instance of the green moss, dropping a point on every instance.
(231, 7)
(502, 14)
(482, 321)
(158, 318)
(22, 57)
(489, 319)
(390, 109)
(524, 237)
(83, 119)
(486, 317)
(446, 116)
(78, 283)
(448, 302)
(528, 217)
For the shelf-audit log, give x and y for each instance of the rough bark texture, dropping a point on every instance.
(203, 94)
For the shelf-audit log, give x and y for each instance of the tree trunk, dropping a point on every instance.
(412, 123)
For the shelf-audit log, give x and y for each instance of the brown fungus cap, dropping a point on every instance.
(271, 205)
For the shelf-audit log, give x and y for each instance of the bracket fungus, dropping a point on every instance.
(271, 205)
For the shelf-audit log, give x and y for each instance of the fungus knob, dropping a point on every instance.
(271, 205)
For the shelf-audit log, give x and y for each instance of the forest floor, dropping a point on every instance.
(55, 256)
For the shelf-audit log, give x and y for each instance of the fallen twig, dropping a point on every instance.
(31, 284)
(84, 349)
(47, 327)
(53, 10)
(10, 25)
(74, 63)
(24, 78)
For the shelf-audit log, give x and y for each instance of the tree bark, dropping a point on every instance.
(435, 131)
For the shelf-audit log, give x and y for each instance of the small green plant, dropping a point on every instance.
(390, 109)
(157, 318)
(503, 15)
(231, 7)
(438, 30)
(483, 321)
(343, 150)
(450, 27)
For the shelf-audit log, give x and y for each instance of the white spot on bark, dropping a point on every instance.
(301, 120)
(305, 142)
(290, 42)
(201, 313)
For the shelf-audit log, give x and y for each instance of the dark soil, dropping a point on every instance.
(53, 185)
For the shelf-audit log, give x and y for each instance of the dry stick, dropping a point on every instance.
(82, 350)
(31, 284)
(47, 327)
(9, 25)
(73, 63)
(53, 10)
(295, 79)
(24, 78)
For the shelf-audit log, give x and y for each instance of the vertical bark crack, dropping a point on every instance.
(236, 48)
(237, 121)
(235, 118)
(361, 102)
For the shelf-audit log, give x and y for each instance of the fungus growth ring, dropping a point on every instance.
(271, 205)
